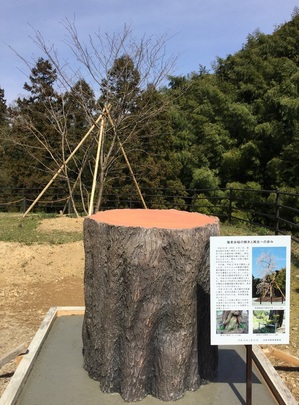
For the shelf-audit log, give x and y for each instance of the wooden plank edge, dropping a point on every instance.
(21, 349)
(21, 374)
(281, 393)
(64, 311)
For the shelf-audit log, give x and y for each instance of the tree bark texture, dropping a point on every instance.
(146, 326)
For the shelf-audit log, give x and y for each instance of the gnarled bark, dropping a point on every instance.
(146, 326)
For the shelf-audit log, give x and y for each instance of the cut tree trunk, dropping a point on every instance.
(146, 327)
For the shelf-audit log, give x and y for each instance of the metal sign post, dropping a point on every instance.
(250, 303)
(248, 374)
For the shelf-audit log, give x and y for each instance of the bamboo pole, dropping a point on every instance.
(132, 174)
(95, 175)
(63, 165)
(127, 161)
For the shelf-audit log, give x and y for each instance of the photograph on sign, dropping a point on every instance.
(250, 289)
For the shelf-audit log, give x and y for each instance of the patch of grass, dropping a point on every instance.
(239, 229)
(13, 228)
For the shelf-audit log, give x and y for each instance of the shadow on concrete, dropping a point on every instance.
(58, 376)
(232, 370)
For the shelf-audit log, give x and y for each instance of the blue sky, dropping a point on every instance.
(198, 30)
(278, 255)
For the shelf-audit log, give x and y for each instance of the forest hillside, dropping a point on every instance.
(236, 125)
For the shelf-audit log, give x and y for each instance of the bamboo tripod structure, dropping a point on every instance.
(269, 289)
(101, 119)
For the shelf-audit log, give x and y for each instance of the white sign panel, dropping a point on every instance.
(250, 289)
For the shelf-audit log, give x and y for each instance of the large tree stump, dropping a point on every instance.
(146, 327)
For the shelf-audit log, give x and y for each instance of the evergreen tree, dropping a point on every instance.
(241, 123)
(4, 141)
(121, 88)
(263, 77)
(42, 79)
(237, 125)
(3, 108)
(33, 133)
(134, 124)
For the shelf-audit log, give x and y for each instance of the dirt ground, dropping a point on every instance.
(33, 279)
(37, 277)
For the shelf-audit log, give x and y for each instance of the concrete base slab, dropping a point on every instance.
(57, 376)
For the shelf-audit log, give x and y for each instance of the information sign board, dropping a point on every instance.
(250, 289)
